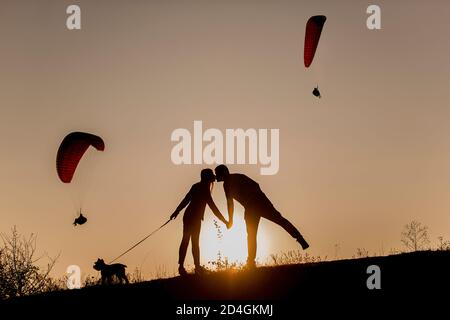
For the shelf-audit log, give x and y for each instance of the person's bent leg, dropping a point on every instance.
(252, 222)
(275, 216)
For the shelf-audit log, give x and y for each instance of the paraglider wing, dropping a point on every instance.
(71, 150)
(313, 31)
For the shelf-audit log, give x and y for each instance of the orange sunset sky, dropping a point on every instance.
(355, 166)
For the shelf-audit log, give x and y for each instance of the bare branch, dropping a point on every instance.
(19, 274)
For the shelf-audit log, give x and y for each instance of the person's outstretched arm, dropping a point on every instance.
(182, 205)
(215, 210)
(230, 205)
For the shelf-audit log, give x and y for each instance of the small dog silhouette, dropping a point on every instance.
(109, 270)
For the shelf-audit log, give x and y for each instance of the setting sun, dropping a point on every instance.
(215, 238)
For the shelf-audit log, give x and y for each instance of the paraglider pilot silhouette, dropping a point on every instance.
(70, 152)
(316, 92)
(80, 220)
(256, 204)
(313, 31)
(195, 200)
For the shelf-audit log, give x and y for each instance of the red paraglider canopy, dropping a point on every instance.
(72, 149)
(314, 28)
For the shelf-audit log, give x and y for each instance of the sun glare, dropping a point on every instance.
(215, 238)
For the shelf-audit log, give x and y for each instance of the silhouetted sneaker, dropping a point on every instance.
(303, 243)
(200, 270)
(182, 271)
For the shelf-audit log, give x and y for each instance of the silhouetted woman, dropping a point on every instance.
(196, 200)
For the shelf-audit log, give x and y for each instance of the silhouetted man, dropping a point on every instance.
(256, 204)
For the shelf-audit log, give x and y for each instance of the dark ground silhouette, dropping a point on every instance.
(422, 279)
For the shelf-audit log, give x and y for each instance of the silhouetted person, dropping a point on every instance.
(256, 204)
(80, 220)
(316, 92)
(196, 200)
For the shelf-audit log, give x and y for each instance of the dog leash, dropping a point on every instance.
(146, 237)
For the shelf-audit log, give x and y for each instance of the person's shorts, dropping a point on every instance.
(261, 206)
